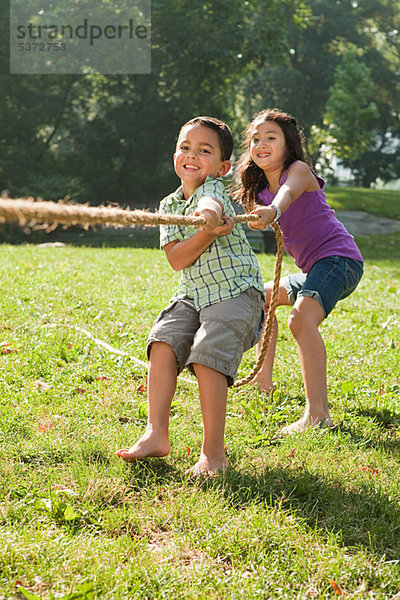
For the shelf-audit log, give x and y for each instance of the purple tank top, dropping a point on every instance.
(310, 230)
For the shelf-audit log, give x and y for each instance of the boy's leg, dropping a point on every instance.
(160, 392)
(263, 379)
(213, 387)
(168, 347)
(227, 328)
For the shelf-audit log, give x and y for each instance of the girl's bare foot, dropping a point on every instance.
(210, 466)
(306, 423)
(148, 445)
(263, 384)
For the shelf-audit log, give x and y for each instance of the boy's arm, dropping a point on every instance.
(182, 254)
(211, 209)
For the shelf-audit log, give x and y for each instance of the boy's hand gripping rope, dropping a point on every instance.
(51, 214)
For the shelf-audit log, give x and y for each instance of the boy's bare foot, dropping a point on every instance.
(306, 423)
(148, 445)
(208, 466)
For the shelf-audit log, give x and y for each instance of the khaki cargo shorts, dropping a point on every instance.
(216, 336)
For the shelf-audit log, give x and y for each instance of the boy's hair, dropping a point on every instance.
(225, 136)
(253, 179)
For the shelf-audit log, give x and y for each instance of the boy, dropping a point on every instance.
(218, 310)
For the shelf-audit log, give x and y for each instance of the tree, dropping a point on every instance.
(382, 54)
(301, 82)
(350, 110)
(111, 138)
(102, 138)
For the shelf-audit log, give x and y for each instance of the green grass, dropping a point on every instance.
(314, 516)
(382, 203)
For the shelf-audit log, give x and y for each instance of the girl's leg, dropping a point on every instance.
(263, 379)
(304, 320)
(213, 389)
(160, 392)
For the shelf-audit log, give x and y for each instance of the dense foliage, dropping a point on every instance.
(110, 137)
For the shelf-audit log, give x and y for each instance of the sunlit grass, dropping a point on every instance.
(381, 203)
(314, 516)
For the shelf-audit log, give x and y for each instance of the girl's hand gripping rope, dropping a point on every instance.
(267, 215)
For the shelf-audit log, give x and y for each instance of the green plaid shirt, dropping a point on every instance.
(228, 267)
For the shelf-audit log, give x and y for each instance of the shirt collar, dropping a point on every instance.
(178, 194)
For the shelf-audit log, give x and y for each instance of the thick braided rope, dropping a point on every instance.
(50, 214)
(269, 319)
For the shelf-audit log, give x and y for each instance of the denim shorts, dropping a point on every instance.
(216, 336)
(329, 280)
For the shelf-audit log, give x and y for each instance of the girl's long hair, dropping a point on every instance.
(253, 179)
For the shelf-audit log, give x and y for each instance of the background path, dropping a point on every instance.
(362, 223)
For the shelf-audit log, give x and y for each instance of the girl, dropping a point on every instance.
(276, 175)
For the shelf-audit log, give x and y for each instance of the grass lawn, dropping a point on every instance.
(313, 516)
(382, 203)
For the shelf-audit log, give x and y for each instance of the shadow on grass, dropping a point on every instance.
(385, 417)
(358, 517)
(387, 422)
(391, 445)
(150, 472)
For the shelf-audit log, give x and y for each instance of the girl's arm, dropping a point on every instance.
(182, 254)
(300, 179)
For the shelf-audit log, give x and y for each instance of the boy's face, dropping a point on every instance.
(197, 155)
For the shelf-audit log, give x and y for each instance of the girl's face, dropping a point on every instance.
(268, 145)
